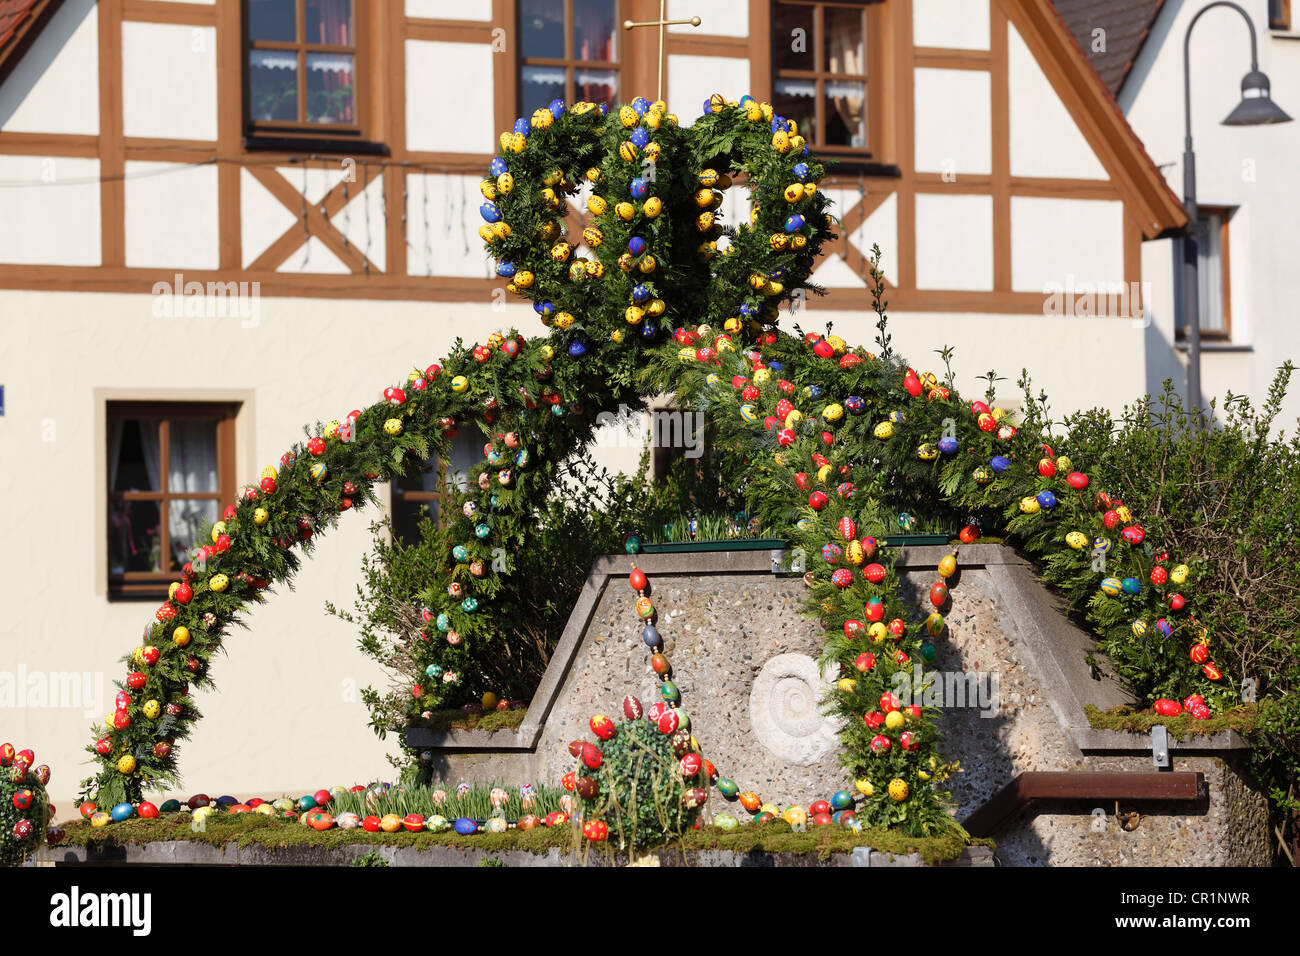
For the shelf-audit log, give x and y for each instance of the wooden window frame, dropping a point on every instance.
(415, 499)
(875, 29)
(621, 64)
(154, 584)
(1216, 335)
(1279, 15)
(300, 133)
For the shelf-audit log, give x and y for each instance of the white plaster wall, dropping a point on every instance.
(442, 220)
(171, 216)
(724, 18)
(169, 81)
(1045, 140)
(954, 131)
(449, 97)
(693, 79)
(1252, 169)
(952, 24)
(954, 241)
(283, 719)
(57, 207)
(881, 229)
(449, 9)
(55, 86)
(1064, 242)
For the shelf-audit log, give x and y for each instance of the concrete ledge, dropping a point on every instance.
(183, 853)
(1092, 740)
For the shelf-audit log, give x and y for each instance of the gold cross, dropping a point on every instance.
(661, 23)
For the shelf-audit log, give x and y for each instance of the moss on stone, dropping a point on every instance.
(247, 830)
(1241, 719)
(447, 720)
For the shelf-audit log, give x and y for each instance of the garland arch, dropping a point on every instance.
(830, 442)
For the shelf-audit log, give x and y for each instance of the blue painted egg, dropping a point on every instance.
(544, 309)
(636, 245)
(999, 463)
(800, 170)
(226, 801)
(498, 166)
(1102, 545)
(855, 404)
(523, 127)
(897, 417)
(1165, 628)
(522, 458)
(792, 223)
(1046, 500)
(842, 800)
(465, 826)
(831, 553)
(947, 445)
(1111, 587)
(813, 391)
(505, 269)
(641, 105)
(1132, 586)
(639, 186)
(649, 330)
(123, 811)
(803, 524)
(577, 349)
(640, 293)
(490, 212)
(494, 457)
(650, 634)
(640, 137)
(748, 311)
(556, 107)
(776, 366)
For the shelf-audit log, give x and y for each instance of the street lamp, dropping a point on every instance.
(1255, 109)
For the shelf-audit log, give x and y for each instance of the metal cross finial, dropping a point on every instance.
(661, 23)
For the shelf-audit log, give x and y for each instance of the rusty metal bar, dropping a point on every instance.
(1029, 788)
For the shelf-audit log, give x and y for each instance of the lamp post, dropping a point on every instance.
(1255, 109)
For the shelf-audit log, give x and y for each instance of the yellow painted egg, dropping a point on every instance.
(458, 384)
(648, 265)
(501, 230)
(864, 787)
(517, 143)
(1077, 540)
(748, 414)
(1029, 505)
(793, 192)
(593, 174)
(597, 205)
(595, 269)
(218, 530)
(524, 279)
(625, 211)
(898, 790)
(781, 141)
(653, 207)
(809, 190)
(628, 116)
(393, 427)
(634, 314)
(390, 823)
(762, 376)
(616, 336)
(657, 307)
(686, 354)
(947, 566)
(488, 188)
(181, 636)
(547, 352)
(563, 320)
(823, 473)
(1063, 464)
(853, 552)
(626, 151)
(833, 412)
(846, 685)
(126, 765)
(794, 418)
(1179, 574)
(578, 268)
(779, 458)
(1125, 515)
(505, 183)
(883, 431)
(218, 582)
(1139, 627)
(542, 118)
(152, 709)
(260, 516)
(877, 632)
(560, 251)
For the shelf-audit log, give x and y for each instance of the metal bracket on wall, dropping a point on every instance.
(1160, 747)
(778, 560)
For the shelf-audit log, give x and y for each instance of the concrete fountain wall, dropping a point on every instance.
(744, 658)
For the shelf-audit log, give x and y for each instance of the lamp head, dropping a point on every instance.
(1256, 107)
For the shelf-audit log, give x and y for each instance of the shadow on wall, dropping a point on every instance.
(1163, 361)
(37, 61)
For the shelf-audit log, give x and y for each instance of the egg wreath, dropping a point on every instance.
(813, 431)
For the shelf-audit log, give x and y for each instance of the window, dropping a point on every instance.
(820, 79)
(1279, 14)
(170, 468)
(1213, 290)
(419, 493)
(569, 51)
(303, 63)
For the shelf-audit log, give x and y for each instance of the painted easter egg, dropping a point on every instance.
(1111, 587)
(465, 826)
(1077, 540)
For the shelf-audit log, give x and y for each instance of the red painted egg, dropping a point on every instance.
(668, 722)
(874, 610)
(897, 627)
(819, 806)
(853, 629)
(873, 719)
(591, 756)
(1077, 480)
(1110, 519)
(841, 577)
(637, 579)
(889, 703)
(632, 709)
(655, 711)
(597, 831)
(1159, 576)
(602, 727)
(1199, 654)
(575, 747)
(875, 573)
(586, 787)
(801, 480)
(969, 534)
(848, 530)
(659, 663)
(690, 765)
(1046, 467)
(147, 810)
(694, 797)
(370, 824)
(1133, 534)
(869, 547)
(556, 819)
(1177, 602)
(786, 437)
(1168, 708)
(908, 740)
(817, 500)
(1211, 672)
(865, 661)
(939, 594)
(880, 744)
(569, 781)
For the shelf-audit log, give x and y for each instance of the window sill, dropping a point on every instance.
(319, 144)
(842, 166)
(1181, 346)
